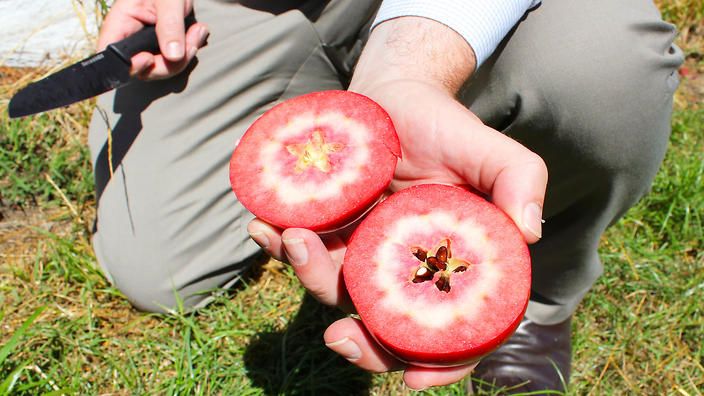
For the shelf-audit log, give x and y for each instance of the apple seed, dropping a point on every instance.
(442, 254)
(442, 263)
(422, 275)
(420, 253)
(443, 283)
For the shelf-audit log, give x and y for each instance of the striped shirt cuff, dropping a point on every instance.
(482, 23)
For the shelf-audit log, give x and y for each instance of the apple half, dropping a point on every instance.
(438, 275)
(316, 161)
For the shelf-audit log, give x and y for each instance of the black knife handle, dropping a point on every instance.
(143, 41)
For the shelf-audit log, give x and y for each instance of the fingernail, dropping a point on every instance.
(174, 50)
(346, 348)
(260, 238)
(296, 251)
(533, 219)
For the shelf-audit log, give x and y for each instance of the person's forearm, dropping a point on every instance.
(415, 48)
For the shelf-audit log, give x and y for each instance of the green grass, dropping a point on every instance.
(683, 13)
(639, 331)
(64, 330)
(35, 149)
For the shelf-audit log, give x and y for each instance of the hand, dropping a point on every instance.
(442, 142)
(415, 79)
(317, 262)
(177, 46)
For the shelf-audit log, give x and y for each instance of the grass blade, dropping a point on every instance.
(15, 339)
(11, 379)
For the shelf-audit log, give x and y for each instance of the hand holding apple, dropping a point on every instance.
(317, 263)
(442, 142)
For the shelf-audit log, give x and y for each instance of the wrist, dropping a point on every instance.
(416, 49)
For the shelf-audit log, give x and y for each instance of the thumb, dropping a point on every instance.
(170, 28)
(499, 166)
(519, 190)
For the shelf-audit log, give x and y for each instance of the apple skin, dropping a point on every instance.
(271, 178)
(417, 322)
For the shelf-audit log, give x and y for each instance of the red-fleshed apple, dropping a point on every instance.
(438, 275)
(316, 161)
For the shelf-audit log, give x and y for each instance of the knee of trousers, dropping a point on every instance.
(159, 262)
(594, 99)
(588, 87)
(162, 283)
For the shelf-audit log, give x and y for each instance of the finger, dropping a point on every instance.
(350, 339)
(197, 36)
(317, 265)
(268, 237)
(170, 29)
(511, 174)
(516, 179)
(120, 23)
(142, 64)
(519, 190)
(163, 68)
(423, 377)
(336, 248)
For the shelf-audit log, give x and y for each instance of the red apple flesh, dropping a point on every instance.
(438, 275)
(317, 161)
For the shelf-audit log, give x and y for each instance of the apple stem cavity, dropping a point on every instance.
(441, 263)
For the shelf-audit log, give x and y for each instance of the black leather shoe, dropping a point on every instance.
(535, 358)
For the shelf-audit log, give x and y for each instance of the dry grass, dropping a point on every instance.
(688, 16)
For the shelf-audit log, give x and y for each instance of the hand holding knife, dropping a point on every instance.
(97, 74)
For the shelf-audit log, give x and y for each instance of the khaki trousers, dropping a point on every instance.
(586, 84)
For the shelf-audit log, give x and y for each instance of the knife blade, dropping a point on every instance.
(97, 74)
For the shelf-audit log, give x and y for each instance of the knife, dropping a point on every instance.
(90, 77)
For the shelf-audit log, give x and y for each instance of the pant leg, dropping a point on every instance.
(588, 86)
(168, 225)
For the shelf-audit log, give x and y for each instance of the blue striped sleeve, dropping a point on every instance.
(482, 23)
